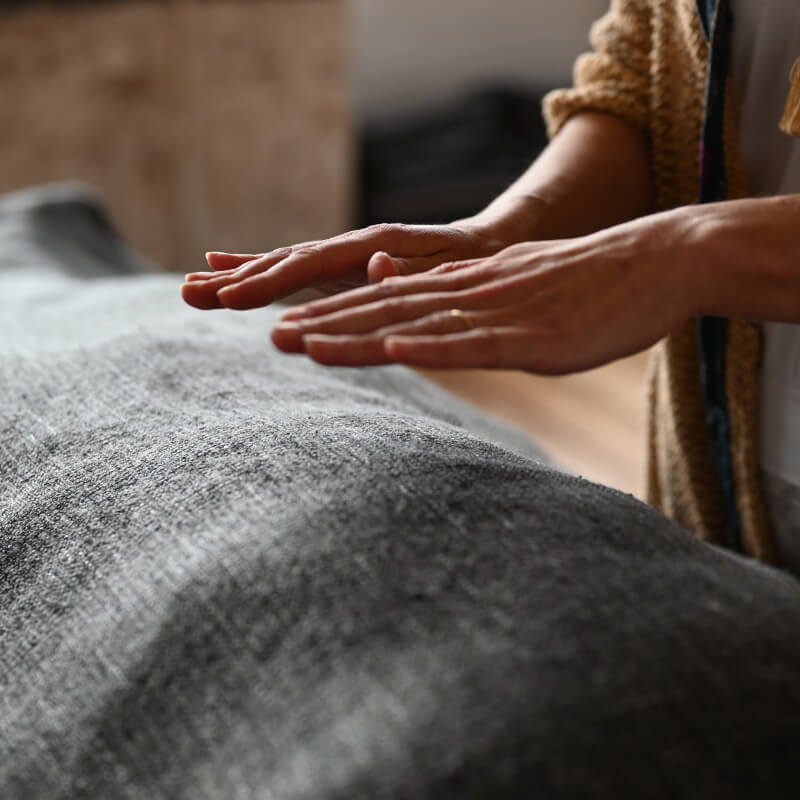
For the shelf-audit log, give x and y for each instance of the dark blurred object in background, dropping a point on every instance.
(448, 163)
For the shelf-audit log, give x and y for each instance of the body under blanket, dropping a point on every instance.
(230, 573)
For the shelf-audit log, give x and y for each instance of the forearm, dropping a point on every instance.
(745, 258)
(593, 175)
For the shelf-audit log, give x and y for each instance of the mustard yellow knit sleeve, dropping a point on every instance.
(615, 77)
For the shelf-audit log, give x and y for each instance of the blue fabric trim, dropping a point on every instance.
(713, 175)
(712, 332)
(712, 336)
(706, 10)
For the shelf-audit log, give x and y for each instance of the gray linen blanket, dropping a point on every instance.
(228, 573)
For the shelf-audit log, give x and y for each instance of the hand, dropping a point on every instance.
(333, 265)
(549, 307)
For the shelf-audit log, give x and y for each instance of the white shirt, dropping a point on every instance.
(766, 43)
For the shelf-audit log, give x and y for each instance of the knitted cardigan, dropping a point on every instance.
(650, 65)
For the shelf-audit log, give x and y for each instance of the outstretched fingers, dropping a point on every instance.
(220, 261)
(289, 335)
(507, 347)
(302, 269)
(416, 248)
(201, 289)
(369, 349)
(243, 281)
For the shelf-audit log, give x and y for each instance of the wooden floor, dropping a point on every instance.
(591, 423)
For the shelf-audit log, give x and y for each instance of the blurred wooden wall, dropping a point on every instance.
(207, 124)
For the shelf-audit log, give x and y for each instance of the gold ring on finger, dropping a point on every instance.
(457, 312)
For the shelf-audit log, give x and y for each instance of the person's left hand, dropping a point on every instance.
(549, 307)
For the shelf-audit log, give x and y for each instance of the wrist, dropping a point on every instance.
(509, 221)
(692, 250)
(727, 269)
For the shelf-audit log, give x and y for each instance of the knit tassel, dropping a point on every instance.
(791, 116)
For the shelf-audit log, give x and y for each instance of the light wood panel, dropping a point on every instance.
(221, 124)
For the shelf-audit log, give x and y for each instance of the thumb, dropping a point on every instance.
(381, 265)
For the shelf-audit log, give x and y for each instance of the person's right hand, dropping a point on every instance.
(336, 264)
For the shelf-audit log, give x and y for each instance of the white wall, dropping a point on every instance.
(413, 53)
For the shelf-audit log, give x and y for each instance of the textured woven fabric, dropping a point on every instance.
(228, 573)
(649, 66)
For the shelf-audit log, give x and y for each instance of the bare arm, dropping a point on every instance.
(594, 174)
(746, 260)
